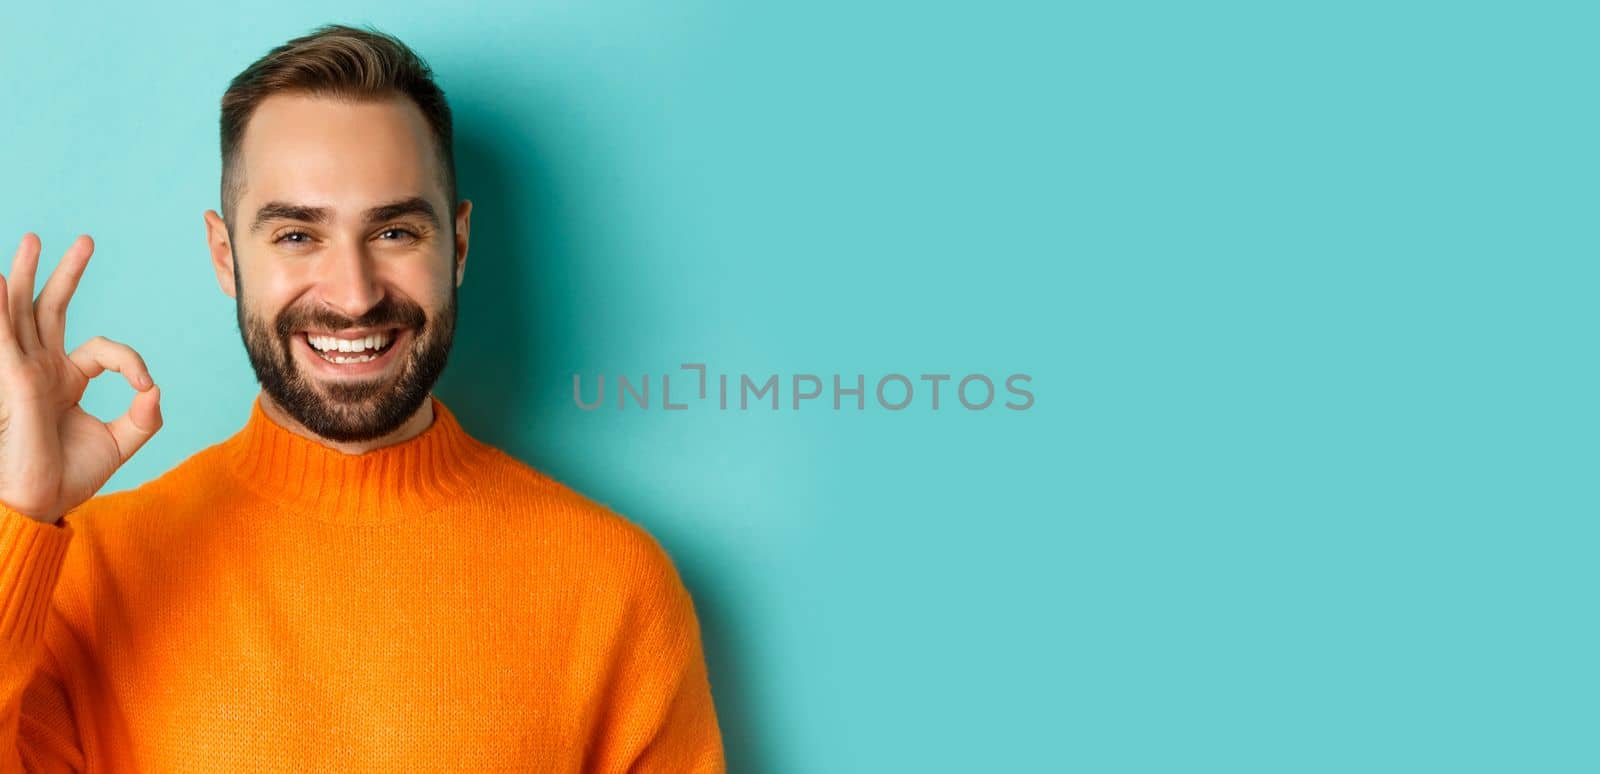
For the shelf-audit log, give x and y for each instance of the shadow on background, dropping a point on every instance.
(518, 313)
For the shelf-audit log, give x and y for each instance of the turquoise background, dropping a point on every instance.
(1307, 292)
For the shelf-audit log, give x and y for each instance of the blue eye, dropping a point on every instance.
(286, 236)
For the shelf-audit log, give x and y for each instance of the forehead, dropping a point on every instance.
(337, 153)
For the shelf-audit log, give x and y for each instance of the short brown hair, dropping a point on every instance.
(337, 61)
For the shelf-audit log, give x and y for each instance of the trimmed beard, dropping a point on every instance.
(348, 410)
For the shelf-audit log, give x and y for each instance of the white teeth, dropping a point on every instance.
(336, 344)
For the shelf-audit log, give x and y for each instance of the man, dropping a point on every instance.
(351, 582)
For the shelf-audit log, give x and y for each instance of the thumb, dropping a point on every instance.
(138, 423)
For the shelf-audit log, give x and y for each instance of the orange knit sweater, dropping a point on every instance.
(272, 604)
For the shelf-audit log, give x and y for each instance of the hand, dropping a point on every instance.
(53, 454)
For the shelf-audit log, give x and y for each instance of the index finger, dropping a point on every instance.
(50, 311)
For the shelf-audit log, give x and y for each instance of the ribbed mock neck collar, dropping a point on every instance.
(383, 485)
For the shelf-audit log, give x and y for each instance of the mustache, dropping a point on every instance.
(388, 313)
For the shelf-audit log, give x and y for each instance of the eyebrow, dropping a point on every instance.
(271, 211)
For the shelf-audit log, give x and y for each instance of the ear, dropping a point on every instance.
(463, 227)
(221, 252)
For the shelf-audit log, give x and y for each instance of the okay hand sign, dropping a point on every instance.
(53, 454)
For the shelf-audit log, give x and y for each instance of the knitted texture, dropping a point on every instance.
(271, 604)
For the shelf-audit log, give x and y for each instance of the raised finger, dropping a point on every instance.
(100, 354)
(20, 292)
(50, 312)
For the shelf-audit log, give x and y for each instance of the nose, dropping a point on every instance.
(349, 282)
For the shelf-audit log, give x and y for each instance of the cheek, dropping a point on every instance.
(263, 299)
(428, 285)
(269, 284)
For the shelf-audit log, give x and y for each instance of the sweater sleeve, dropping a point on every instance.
(662, 719)
(36, 727)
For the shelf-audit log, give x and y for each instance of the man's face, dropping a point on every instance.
(345, 261)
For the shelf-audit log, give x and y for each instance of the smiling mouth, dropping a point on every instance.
(346, 350)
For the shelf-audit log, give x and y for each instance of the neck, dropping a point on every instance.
(411, 428)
